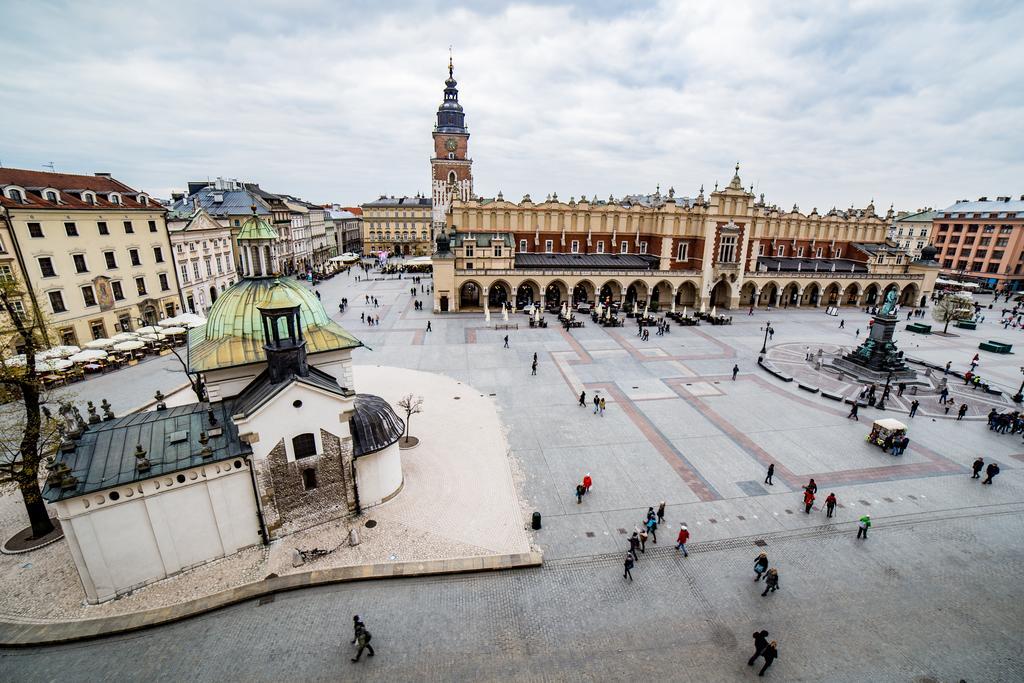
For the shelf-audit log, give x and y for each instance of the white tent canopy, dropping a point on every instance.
(88, 355)
(101, 343)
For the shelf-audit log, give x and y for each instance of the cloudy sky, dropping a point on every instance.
(912, 103)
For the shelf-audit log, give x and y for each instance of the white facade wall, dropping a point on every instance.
(279, 419)
(379, 475)
(224, 383)
(160, 526)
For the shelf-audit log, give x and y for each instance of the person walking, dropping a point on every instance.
(579, 493)
(506, 341)
(363, 637)
(976, 468)
(913, 407)
(587, 482)
(602, 406)
(830, 505)
(643, 538)
(534, 371)
(771, 581)
(770, 654)
(627, 566)
(357, 627)
(597, 403)
(661, 512)
(760, 566)
(808, 500)
(735, 371)
(583, 398)
(949, 364)
(760, 643)
(428, 326)
(900, 388)
(842, 324)
(811, 486)
(771, 473)
(862, 527)
(652, 529)
(682, 538)
(853, 411)
(634, 543)
(362, 317)
(961, 412)
(990, 471)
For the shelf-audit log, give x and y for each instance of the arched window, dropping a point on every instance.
(304, 445)
(51, 196)
(114, 198)
(451, 176)
(15, 195)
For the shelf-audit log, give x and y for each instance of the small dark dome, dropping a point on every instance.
(928, 253)
(443, 243)
(375, 426)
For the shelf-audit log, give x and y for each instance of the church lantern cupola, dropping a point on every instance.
(450, 117)
(282, 333)
(257, 247)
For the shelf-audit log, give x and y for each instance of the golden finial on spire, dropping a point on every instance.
(451, 68)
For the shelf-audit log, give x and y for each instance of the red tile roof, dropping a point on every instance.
(353, 210)
(35, 182)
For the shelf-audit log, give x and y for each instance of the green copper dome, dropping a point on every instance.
(233, 333)
(255, 228)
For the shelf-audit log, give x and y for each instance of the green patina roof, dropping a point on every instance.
(255, 228)
(233, 333)
(280, 296)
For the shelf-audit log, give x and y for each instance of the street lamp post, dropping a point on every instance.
(764, 347)
(1019, 396)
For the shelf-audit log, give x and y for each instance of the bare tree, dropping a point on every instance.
(411, 405)
(195, 380)
(25, 438)
(953, 306)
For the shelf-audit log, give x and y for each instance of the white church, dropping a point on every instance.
(283, 442)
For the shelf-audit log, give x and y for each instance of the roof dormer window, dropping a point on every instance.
(89, 198)
(144, 200)
(51, 196)
(16, 194)
(114, 198)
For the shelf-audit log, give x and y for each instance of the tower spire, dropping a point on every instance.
(451, 68)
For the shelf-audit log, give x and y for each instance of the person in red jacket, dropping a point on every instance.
(830, 504)
(684, 536)
(808, 500)
(587, 482)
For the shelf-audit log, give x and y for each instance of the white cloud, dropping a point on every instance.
(913, 103)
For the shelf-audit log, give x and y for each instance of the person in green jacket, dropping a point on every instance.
(863, 525)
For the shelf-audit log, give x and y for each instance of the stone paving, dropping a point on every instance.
(679, 429)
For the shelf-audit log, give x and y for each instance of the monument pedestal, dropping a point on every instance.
(878, 358)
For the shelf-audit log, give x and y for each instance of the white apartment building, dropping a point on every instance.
(203, 257)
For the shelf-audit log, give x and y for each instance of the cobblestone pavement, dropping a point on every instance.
(918, 601)
(678, 429)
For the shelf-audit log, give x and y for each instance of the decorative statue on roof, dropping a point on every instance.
(889, 307)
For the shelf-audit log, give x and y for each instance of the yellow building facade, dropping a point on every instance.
(397, 225)
(90, 252)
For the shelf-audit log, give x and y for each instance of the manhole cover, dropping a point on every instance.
(760, 543)
(370, 523)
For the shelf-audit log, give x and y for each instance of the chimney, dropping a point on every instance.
(102, 175)
(177, 196)
(982, 199)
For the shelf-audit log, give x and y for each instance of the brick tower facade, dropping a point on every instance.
(451, 169)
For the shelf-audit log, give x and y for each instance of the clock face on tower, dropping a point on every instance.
(451, 144)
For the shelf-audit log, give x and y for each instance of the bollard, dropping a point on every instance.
(353, 537)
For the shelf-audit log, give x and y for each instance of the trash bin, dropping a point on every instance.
(536, 521)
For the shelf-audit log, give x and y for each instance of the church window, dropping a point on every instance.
(304, 445)
(575, 246)
(623, 247)
(522, 246)
(643, 247)
(799, 252)
(817, 253)
(727, 249)
(548, 246)
(782, 251)
(683, 252)
(451, 176)
(600, 247)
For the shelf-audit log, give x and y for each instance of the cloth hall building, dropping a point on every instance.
(727, 249)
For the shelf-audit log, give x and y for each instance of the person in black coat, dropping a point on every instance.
(634, 543)
(760, 644)
(771, 473)
(627, 566)
(770, 654)
(976, 468)
(992, 470)
(760, 566)
(771, 581)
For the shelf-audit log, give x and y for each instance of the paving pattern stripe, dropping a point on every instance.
(937, 465)
(679, 462)
(727, 351)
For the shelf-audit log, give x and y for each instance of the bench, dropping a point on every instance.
(833, 396)
(966, 324)
(919, 328)
(808, 387)
(995, 347)
(507, 326)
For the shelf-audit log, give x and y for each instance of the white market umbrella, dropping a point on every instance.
(53, 364)
(536, 313)
(636, 309)
(87, 356)
(101, 343)
(714, 311)
(174, 330)
(125, 336)
(16, 361)
(152, 337)
(647, 308)
(129, 345)
(487, 315)
(148, 329)
(59, 352)
(599, 309)
(684, 311)
(702, 307)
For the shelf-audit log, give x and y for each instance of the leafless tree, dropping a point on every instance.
(29, 437)
(952, 307)
(411, 405)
